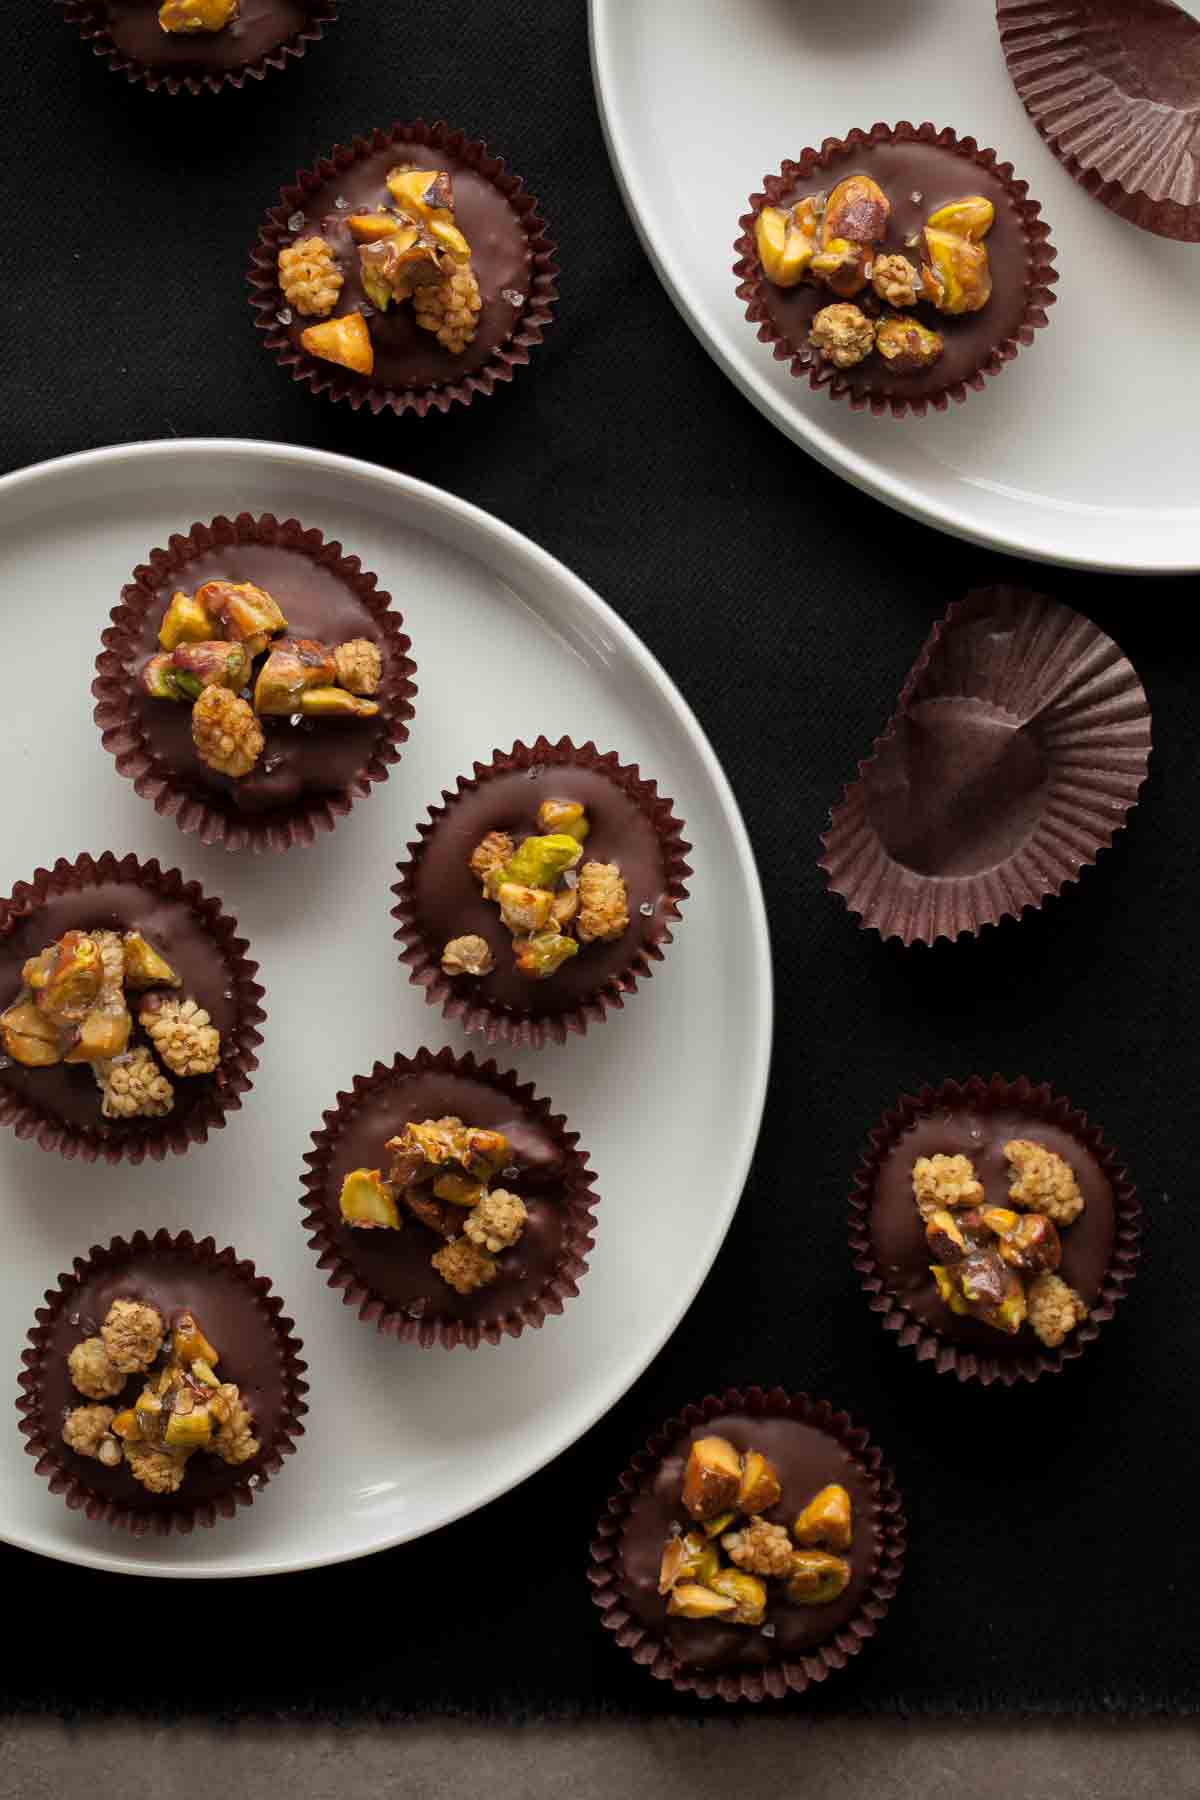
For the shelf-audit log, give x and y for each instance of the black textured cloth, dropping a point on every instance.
(1052, 1561)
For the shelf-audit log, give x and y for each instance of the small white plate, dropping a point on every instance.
(1084, 450)
(507, 643)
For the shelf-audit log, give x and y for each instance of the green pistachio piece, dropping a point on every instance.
(540, 861)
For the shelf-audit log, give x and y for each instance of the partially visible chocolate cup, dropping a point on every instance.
(387, 1275)
(811, 1446)
(60, 1106)
(511, 254)
(244, 1321)
(976, 1119)
(1017, 749)
(267, 34)
(439, 897)
(1113, 87)
(310, 771)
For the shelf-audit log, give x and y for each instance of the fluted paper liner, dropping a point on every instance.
(778, 1679)
(1040, 1102)
(1113, 87)
(213, 817)
(423, 957)
(89, 15)
(338, 383)
(219, 1093)
(804, 362)
(1032, 668)
(334, 1243)
(67, 1472)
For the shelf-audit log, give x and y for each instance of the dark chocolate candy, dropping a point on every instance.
(261, 26)
(807, 1459)
(898, 1235)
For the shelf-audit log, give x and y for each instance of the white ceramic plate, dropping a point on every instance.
(1084, 450)
(399, 1440)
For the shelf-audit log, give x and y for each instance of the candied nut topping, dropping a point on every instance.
(945, 1181)
(309, 277)
(469, 955)
(182, 1033)
(132, 1335)
(497, 1221)
(603, 903)
(843, 334)
(1043, 1182)
(197, 15)
(234, 1441)
(464, 1265)
(86, 1431)
(490, 855)
(763, 1549)
(359, 666)
(550, 904)
(450, 309)
(1054, 1309)
(159, 1471)
(895, 279)
(92, 1370)
(226, 733)
(133, 1087)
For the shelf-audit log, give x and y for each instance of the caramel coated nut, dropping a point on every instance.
(712, 1477)
(827, 1520)
(469, 955)
(906, 345)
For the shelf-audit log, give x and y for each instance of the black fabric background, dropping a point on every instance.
(1053, 1553)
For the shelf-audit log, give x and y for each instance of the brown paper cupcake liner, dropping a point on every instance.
(777, 1679)
(339, 384)
(66, 1473)
(423, 958)
(424, 1328)
(220, 1093)
(1036, 671)
(804, 362)
(1042, 1103)
(1113, 87)
(90, 18)
(214, 819)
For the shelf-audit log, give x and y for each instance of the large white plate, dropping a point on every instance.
(508, 643)
(1084, 450)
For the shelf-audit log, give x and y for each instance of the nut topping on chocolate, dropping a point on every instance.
(197, 15)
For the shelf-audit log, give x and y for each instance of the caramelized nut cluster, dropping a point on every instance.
(726, 1495)
(197, 15)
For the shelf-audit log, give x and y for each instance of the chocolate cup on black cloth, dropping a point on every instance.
(887, 1237)
(386, 1274)
(511, 255)
(236, 1310)
(919, 169)
(1018, 747)
(439, 896)
(268, 34)
(309, 774)
(811, 1446)
(60, 1106)
(1113, 87)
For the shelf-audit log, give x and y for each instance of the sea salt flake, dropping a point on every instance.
(367, 310)
(514, 296)
(570, 878)
(511, 1173)
(768, 1631)
(535, 769)
(916, 196)
(646, 909)
(284, 315)
(296, 719)
(341, 203)
(296, 222)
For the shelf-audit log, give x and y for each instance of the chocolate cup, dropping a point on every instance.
(776, 1678)
(376, 1271)
(1018, 746)
(183, 69)
(1012, 1360)
(632, 824)
(152, 743)
(908, 160)
(1113, 87)
(237, 1309)
(467, 160)
(54, 1106)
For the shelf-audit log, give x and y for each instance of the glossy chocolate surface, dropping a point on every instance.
(898, 1236)
(396, 1264)
(261, 26)
(938, 176)
(68, 1092)
(405, 355)
(449, 903)
(235, 1322)
(807, 1460)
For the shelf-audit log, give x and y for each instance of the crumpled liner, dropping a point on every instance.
(1040, 1103)
(1113, 87)
(777, 1679)
(342, 384)
(231, 1079)
(90, 17)
(1019, 658)
(215, 819)
(172, 1512)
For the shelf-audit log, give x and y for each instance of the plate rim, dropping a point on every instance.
(851, 465)
(488, 526)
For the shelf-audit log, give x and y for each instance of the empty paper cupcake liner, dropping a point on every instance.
(340, 384)
(334, 1243)
(73, 1476)
(805, 362)
(461, 1002)
(1113, 86)
(209, 1098)
(91, 18)
(776, 1680)
(1042, 1103)
(215, 819)
(1018, 747)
